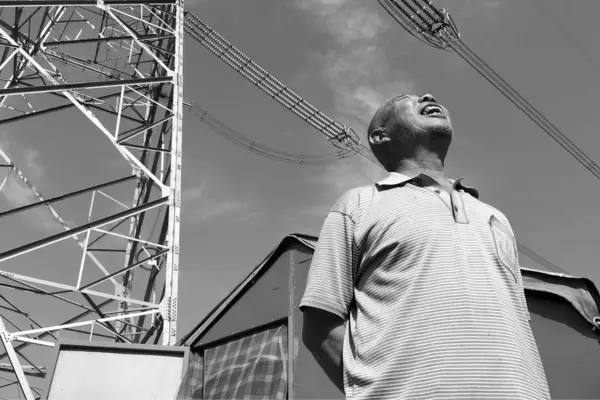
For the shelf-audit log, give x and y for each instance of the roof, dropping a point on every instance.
(541, 276)
(297, 238)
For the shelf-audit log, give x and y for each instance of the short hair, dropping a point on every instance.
(383, 113)
(380, 119)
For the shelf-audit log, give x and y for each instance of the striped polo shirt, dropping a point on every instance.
(430, 286)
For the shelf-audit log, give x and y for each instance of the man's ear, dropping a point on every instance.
(378, 136)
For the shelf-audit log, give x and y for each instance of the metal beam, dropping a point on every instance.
(27, 370)
(83, 85)
(113, 42)
(14, 361)
(65, 196)
(53, 109)
(136, 131)
(108, 39)
(134, 265)
(81, 3)
(75, 231)
(69, 321)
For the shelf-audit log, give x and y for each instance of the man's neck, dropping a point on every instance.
(414, 166)
(425, 157)
(430, 166)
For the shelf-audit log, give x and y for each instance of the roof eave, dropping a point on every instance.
(310, 241)
(288, 241)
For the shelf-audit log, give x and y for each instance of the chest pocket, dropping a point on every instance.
(505, 245)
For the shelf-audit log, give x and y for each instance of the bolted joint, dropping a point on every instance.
(175, 198)
(6, 337)
(121, 291)
(168, 309)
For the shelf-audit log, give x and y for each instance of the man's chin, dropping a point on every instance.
(441, 130)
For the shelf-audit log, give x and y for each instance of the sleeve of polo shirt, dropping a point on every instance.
(520, 285)
(330, 284)
(518, 273)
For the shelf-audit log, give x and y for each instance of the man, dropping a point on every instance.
(415, 290)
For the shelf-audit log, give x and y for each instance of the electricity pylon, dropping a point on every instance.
(118, 64)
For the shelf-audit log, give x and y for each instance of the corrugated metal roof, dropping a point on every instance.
(531, 262)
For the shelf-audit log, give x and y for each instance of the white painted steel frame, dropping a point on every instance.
(167, 69)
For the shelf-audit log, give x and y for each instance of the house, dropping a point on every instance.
(250, 344)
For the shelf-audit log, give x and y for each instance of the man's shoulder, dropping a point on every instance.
(497, 213)
(352, 200)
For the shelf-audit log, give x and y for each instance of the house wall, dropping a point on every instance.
(309, 380)
(570, 351)
(264, 302)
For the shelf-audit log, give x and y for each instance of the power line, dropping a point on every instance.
(338, 135)
(436, 28)
(421, 17)
(249, 144)
(594, 63)
(233, 57)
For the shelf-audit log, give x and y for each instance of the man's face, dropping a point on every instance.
(421, 115)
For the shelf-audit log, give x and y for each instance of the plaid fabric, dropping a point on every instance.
(253, 367)
(192, 384)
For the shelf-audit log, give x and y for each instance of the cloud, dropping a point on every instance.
(360, 76)
(15, 192)
(346, 174)
(467, 9)
(205, 200)
(347, 20)
(356, 69)
(338, 179)
(200, 206)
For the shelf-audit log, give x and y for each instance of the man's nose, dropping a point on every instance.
(427, 98)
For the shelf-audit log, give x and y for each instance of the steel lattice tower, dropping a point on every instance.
(117, 63)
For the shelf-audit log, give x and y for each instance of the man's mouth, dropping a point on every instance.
(432, 109)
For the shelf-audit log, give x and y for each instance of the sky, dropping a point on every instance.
(346, 57)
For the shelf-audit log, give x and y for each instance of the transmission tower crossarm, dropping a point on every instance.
(82, 85)
(81, 3)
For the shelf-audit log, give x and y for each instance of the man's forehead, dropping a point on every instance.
(390, 105)
(387, 109)
(399, 97)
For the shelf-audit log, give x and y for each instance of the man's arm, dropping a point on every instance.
(329, 292)
(518, 275)
(323, 335)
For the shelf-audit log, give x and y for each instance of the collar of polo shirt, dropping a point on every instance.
(395, 178)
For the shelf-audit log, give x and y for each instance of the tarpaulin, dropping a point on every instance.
(250, 367)
(579, 292)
